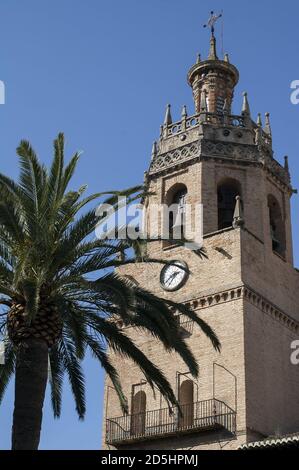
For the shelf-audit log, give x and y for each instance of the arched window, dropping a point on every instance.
(138, 413)
(186, 400)
(176, 202)
(277, 226)
(227, 192)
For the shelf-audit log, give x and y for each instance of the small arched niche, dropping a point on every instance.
(186, 400)
(227, 191)
(176, 202)
(277, 226)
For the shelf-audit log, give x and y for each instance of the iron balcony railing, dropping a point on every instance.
(199, 416)
(185, 323)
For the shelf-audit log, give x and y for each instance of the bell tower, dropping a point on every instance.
(245, 287)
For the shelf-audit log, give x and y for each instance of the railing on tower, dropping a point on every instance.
(212, 118)
(199, 416)
(185, 323)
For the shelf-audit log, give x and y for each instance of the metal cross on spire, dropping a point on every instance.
(211, 22)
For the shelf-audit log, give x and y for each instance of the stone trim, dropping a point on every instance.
(270, 309)
(216, 298)
(243, 292)
(175, 157)
(246, 293)
(236, 153)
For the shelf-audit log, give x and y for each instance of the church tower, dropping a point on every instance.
(245, 287)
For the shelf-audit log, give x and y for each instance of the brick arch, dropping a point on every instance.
(276, 225)
(227, 191)
(173, 191)
(175, 195)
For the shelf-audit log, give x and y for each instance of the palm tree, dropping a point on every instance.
(60, 294)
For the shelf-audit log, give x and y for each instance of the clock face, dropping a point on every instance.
(173, 276)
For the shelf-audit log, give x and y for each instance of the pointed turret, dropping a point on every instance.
(226, 58)
(154, 149)
(168, 118)
(184, 112)
(267, 127)
(238, 220)
(246, 111)
(245, 106)
(212, 51)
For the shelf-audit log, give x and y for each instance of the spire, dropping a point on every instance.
(212, 52)
(198, 59)
(217, 77)
(238, 220)
(259, 120)
(286, 163)
(168, 118)
(184, 111)
(245, 106)
(267, 127)
(154, 149)
(211, 24)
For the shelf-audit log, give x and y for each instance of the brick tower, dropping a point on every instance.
(246, 287)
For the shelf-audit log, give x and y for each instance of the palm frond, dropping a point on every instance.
(56, 379)
(74, 371)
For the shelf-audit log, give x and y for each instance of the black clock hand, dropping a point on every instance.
(171, 277)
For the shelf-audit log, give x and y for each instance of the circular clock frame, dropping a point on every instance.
(168, 267)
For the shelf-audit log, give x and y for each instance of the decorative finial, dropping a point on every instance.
(267, 127)
(286, 163)
(168, 118)
(212, 52)
(259, 120)
(211, 24)
(184, 111)
(198, 59)
(238, 220)
(154, 149)
(161, 131)
(245, 106)
(226, 58)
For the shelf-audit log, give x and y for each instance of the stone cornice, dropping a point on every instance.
(241, 292)
(250, 295)
(232, 152)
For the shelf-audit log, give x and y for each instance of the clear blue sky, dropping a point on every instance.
(102, 72)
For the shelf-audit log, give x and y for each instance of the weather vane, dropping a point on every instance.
(211, 22)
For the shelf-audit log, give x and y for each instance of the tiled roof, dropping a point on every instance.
(289, 440)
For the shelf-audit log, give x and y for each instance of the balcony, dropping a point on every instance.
(207, 415)
(185, 324)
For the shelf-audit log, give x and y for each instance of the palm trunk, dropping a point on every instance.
(30, 387)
